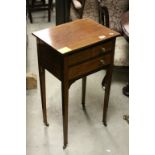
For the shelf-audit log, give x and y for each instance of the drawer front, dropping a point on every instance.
(87, 54)
(89, 66)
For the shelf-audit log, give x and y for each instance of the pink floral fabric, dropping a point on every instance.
(90, 10)
(121, 57)
(116, 8)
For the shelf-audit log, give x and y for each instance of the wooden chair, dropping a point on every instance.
(78, 6)
(110, 16)
(89, 9)
(110, 12)
(38, 5)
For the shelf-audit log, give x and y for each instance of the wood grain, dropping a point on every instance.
(75, 35)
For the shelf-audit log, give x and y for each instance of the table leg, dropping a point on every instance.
(83, 92)
(43, 93)
(65, 112)
(107, 93)
(104, 81)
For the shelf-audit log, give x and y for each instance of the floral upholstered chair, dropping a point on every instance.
(110, 13)
(84, 9)
(78, 6)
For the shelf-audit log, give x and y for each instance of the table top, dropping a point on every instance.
(125, 23)
(75, 35)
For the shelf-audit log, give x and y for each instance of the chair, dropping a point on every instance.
(110, 15)
(110, 12)
(38, 5)
(86, 9)
(78, 6)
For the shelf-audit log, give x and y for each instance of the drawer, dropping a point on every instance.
(89, 53)
(89, 66)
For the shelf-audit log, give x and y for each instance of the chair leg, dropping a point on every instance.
(30, 16)
(28, 10)
(49, 15)
(43, 1)
(51, 5)
(49, 10)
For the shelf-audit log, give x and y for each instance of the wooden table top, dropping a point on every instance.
(75, 35)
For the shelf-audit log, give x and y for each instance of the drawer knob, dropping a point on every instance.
(102, 61)
(103, 50)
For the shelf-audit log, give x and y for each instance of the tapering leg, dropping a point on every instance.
(49, 10)
(107, 92)
(30, 15)
(83, 92)
(43, 93)
(65, 112)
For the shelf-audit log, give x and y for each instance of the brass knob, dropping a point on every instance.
(103, 50)
(102, 61)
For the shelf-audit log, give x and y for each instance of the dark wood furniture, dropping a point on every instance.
(38, 5)
(72, 51)
(62, 11)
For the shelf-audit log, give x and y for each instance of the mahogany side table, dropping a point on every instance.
(72, 51)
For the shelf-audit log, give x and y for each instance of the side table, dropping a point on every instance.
(72, 51)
